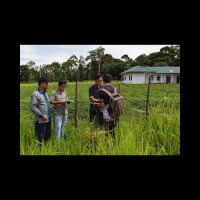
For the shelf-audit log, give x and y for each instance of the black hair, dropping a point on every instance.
(61, 82)
(42, 80)
(97, 76)
(107, 78)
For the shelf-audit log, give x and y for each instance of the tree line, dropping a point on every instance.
(98, 62)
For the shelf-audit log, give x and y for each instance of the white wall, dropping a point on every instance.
(173, 78)
(127, 78)
(137, 78)
(154, 78)
(162, 78)
(140, 78)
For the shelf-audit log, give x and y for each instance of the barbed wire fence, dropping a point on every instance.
(138, 106)
(85, 110)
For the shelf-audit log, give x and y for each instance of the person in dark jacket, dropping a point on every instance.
(108, 121)
(95, 112)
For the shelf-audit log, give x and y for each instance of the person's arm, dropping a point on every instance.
(101, 97)
(57, 102)
(91, 96)
(53, 98)
(92, 99)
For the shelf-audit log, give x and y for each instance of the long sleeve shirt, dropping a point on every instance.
(40, 106)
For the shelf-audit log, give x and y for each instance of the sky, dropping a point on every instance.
(46, 54)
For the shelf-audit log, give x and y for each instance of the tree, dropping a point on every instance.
(117, 67)
(51, 76)
(56, 68)
(167, 56)
(168, 51)
(133, 63)
(81, 68)
(177, 61)
(96, 55)
(125, 58)
(31, 65)
(47, 71)
(177, 55)
(99, 63)
(106, 61)
(88, 71)
(159, 64)
(143, 60)
(24, 73)
(73, 61)
(177, 50)
(65, 68)
(129, 61)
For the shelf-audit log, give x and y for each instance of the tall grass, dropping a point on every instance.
(159, 134)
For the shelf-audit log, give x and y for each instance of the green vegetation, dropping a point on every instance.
(135, 135)
(98, 61)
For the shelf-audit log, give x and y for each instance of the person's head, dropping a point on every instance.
(107, 78)
(43, 83)
(61, 85)
(98, 79)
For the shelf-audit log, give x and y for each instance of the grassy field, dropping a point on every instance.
(135, 135)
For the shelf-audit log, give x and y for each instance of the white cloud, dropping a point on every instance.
(133, 51)
(46, 54)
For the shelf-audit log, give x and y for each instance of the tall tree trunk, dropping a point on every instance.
(76, 99)
(99, 64)
(40, 70)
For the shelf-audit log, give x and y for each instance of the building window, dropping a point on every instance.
(151, 78)
(158, 77)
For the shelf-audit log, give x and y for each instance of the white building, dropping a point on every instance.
(139, 75)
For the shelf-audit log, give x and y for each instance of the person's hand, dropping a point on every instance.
(62, 102)
(101, 104)
(45, 118)
(52, 109)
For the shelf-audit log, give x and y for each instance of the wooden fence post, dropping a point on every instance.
(147, 112)
(54, 116)
(76, 99)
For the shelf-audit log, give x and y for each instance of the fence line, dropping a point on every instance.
(149, 112)
(166, 99)
(124, 107)
(131, 100)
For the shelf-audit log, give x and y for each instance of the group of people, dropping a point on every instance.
(100, 111)
(99, 103)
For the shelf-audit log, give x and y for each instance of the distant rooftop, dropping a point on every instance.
(163, 70)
